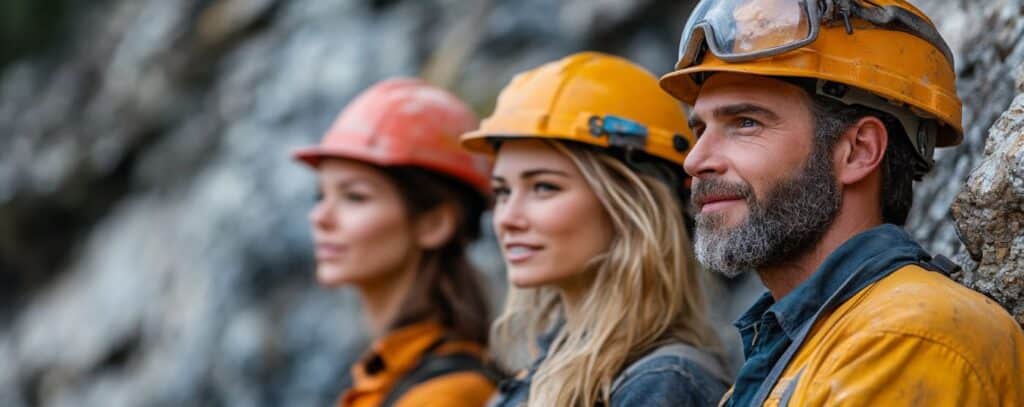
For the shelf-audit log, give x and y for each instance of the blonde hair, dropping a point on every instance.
(645, 290)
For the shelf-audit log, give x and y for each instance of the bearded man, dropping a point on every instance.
(813, 120)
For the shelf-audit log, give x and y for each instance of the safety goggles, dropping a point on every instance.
(744, 30)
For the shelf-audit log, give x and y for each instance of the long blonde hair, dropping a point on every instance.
(645, 290)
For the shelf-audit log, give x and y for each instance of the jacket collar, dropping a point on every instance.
(864, 259)
(397, 352)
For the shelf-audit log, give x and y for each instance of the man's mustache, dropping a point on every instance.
(703, 190)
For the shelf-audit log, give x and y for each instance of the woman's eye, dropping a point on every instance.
(544, 187)
(500, 192)
(318, 196)
(355, 197)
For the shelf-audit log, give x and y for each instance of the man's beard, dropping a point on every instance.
(790, 221)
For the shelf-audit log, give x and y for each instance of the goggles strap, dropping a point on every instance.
(844, 9)
(890, 17)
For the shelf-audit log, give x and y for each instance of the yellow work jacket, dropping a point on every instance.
(914, 338)
(399, 353)
(872, 327)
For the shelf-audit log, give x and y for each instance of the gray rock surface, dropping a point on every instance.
(989, 214)
(987, 39)
(976, 182)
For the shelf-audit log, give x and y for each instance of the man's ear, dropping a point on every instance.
(860, 150)
(437, 226)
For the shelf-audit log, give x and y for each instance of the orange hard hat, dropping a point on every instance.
(405, 122)
(887, 50)
(590, 98)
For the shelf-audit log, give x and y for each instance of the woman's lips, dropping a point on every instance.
(329, 251)
(517, 253)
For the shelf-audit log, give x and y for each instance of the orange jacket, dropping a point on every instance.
(915, 338)
(392, 357)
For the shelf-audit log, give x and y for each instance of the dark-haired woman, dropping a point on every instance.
(399, 202)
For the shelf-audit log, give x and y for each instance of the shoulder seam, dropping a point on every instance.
(662, 369)
(680, 366)
(687, 376)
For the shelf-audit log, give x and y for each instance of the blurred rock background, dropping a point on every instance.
(153, 242)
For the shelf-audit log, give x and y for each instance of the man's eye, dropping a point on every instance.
(745, 122)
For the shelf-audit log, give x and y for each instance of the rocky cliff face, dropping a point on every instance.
(153, 244)
(989, 209)
(980, 182)
(989, 216)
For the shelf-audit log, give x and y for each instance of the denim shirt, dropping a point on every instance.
(666, 380)
(769, 327)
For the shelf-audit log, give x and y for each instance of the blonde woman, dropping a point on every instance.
(587, 183)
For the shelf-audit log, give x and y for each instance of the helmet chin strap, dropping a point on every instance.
(922, 131)
(921, 128)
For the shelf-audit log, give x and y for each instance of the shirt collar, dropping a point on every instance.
(867, 257)
(400, 349)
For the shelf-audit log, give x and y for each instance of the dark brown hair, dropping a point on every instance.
(448, 287)
(832, 118)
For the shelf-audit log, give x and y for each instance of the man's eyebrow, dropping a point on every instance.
(745, 108)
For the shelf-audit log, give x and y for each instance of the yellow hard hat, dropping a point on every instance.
(888, 48)
(590, 98)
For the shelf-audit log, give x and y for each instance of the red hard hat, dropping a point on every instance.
(407, 122)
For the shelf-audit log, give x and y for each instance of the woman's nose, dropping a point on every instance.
(509, 215)
(321, 216)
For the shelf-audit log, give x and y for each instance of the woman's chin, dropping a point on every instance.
(332, 276)
(525, 278)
